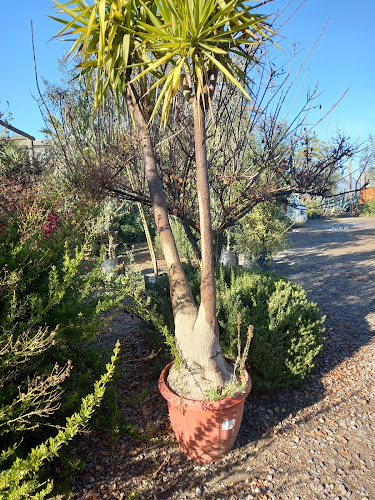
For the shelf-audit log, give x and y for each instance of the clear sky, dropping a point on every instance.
(343, 58)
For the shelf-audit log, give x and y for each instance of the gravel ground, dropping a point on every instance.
(315, 442)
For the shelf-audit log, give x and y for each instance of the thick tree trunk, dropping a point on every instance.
(203, 360)
(180, 289)
(202, 364)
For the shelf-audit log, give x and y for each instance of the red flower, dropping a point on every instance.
(51, 225)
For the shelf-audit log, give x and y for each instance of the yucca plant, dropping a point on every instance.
(147, 52)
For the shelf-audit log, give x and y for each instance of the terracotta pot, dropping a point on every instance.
(205, 430)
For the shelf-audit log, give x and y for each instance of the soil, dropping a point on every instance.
(311, 442)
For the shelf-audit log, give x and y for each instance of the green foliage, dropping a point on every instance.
(262, 231)
(185, 250)
(125, 218)
(174, 41)
(369, 208)
(312, 203)
(158, 323)
(14, 159)
(129, 226)
(21, 479)
(287, 328)
(46, 276)
(288, 332)
(236, 385)
(52, 299)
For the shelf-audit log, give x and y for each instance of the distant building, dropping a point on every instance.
(26, 140)
(38, 146)
(367, 193)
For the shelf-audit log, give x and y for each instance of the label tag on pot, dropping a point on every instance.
(228, 424)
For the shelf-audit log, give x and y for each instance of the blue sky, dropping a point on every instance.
(343, 58)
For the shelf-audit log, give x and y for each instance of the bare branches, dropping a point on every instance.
(254, 148)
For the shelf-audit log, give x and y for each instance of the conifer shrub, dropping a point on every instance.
(184, 247)
(262, 231)
(129, 225)
(288, 329)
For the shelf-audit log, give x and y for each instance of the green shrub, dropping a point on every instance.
(312, 203)
(130, 227)
(51, 302)
(185, 250)
(369, 208)
(21, 479)
(288, 331)
(14, 159)
(262, 231)
(125, 218)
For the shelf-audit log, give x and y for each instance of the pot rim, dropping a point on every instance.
(197, 405)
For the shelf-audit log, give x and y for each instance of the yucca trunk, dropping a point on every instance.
(196, 329)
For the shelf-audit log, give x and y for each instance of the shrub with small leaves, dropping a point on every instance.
(288, 329)
(52, 296)
(262, 231)
(21, 479)
(369, 208)
(184, 247)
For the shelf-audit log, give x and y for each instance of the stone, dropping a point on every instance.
(199, 491)
(342, 489)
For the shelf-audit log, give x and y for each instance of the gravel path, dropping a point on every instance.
(315, 442)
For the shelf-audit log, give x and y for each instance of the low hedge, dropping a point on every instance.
(288, 329)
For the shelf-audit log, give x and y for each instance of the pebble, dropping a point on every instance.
(343, 490)
(199, 491)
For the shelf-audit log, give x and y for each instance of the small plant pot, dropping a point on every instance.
(228, 258)
(150, 280)
(205, 430)
(109, 266)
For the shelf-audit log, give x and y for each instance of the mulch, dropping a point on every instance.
(311, 442)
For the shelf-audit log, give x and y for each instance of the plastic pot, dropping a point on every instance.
(150, 280)
(205, 430)
(244, 261)
(109, 266)
(228, 258)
